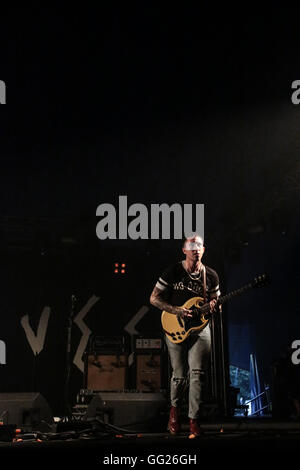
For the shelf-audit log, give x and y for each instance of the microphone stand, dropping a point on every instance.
(68, 410)
(224, 383)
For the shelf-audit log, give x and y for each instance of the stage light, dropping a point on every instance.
(119, 268)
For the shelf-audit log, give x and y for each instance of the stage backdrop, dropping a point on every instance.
(38, 285)
(37, 290)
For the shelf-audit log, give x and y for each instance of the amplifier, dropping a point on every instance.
(149, 363)
(145, 344)
(107, 344)
(106, 372)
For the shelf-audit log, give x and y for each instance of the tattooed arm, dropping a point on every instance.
(158, 301)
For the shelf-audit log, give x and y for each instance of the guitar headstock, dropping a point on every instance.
(261, 281)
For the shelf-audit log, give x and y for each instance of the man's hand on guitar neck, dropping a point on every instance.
(213, 305)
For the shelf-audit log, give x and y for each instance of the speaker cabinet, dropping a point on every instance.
(24, 409)
(148, 372)
(106, 372)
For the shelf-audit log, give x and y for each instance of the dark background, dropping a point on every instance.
(160, 104)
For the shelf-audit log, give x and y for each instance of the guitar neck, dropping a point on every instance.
(259, 281)
(239, 291)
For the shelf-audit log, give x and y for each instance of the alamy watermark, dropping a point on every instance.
(2, 92)
(2, 352)
(295, 97)
(295, 357)
(159, 221)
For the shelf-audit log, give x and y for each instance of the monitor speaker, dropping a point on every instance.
(25, 410)
(132, 410)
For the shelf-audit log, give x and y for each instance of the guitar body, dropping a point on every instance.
(178, 329)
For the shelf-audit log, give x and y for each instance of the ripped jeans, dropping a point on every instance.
(190, 357)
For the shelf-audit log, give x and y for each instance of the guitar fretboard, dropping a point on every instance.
(258, 282)
(239, 291)
(222, 299)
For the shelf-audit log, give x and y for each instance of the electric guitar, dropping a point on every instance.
(178, 329)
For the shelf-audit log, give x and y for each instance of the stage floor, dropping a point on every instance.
(243, 441)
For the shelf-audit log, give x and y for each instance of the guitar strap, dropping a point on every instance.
(204, 284)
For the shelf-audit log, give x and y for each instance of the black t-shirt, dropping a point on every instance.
(175, 282)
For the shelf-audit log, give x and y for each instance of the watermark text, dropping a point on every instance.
(296, 354)
(295, 97)
(160, 221)
(2, 92)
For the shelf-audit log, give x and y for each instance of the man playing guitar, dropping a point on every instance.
(178, 283)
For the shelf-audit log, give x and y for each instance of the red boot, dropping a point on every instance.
(195, 430)
(174, 424)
